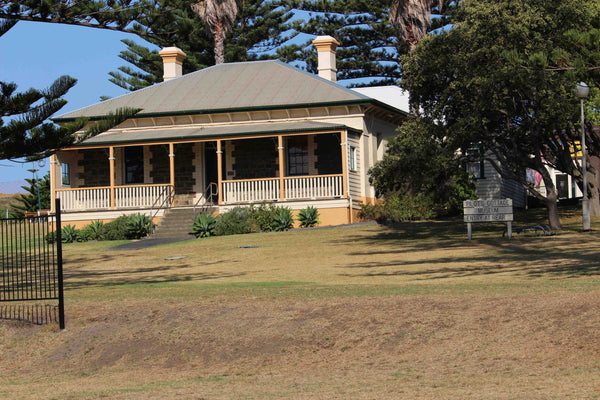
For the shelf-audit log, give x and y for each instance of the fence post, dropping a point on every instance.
(59, 266)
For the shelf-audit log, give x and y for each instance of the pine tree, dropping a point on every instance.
(24, 131)
(259, 28)
(28, 135)
(369, 46)
(132, 16)
(30, 202)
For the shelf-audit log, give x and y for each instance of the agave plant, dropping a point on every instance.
(283, 219)
(139, 226)
(308, 217)
(68, 234)
(204, 225)
(95, 230)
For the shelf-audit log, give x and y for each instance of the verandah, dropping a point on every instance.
(287, 182)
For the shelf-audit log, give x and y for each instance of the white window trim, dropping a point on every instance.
(353, 158)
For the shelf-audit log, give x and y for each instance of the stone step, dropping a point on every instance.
(177, 222)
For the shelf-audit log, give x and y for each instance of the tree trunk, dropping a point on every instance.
(550, 201)
(552, 205)
(219, 34)
(594, 185)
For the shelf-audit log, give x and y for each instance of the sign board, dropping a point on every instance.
(491, 210)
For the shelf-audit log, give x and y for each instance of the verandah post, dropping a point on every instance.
(281, 168)
(172, 171)
(111, 169)
(344, 149)
(219, 173)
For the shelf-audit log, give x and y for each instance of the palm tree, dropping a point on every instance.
(219, 16)
(413, 17)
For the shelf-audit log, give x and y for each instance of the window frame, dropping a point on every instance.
(353, 158)
(65, 174)
(132, 175)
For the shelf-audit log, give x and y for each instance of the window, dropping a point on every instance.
(297, 155)
(66, 174)
(134, 164)
(353, 158)
(475, 162)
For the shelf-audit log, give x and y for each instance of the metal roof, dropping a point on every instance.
(183, 133)
(390, 95)
(229, 87)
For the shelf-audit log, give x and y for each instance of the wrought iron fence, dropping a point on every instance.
(31, 268)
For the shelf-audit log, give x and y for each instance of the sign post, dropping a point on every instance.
(492, 210)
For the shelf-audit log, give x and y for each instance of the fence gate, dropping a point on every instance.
(31, 273)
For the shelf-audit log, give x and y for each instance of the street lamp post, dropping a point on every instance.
(582, 92)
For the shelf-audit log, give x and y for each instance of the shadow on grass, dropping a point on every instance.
(174, 272)
(569, 255)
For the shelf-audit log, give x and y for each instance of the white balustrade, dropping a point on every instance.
(84, 199)
(250, 191)
(243, 191)
(141, 196)
(302, 187)
(314, 187)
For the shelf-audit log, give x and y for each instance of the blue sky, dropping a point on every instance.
(34, 54)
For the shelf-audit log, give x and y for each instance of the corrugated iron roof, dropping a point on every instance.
(227, 87)
(182, 133)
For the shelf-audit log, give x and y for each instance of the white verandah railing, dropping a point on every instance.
(314, 187)
(238, 191)
(98, 198)
(295, 188)
(250, 190)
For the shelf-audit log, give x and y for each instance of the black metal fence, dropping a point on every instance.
(31, 261)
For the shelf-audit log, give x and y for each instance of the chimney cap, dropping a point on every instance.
(325, 43)
(173, 52)
(172, 62)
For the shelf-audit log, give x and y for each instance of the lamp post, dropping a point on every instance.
(582, 92)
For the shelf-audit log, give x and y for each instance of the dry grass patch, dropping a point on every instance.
(413, 311)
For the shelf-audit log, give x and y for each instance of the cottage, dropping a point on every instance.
(232, 134)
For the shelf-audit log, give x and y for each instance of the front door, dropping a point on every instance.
(210, 166)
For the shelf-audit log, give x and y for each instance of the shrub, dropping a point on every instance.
(308, 217)
(283, 219)
(236, 221)
(116, 229)
(204, 225)
(68, 234)
(405, 207)
(138, 226)
(263, 216)
(371, 212)
(95, 230)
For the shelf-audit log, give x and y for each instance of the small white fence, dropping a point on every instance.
(140, 196)
(317, 187)
(295, 188)
(85, 199)
(238, 191)
(250, 191)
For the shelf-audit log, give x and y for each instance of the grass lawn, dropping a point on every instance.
(412, 311)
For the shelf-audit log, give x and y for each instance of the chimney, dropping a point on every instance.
(326, 46)
(172, 60)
